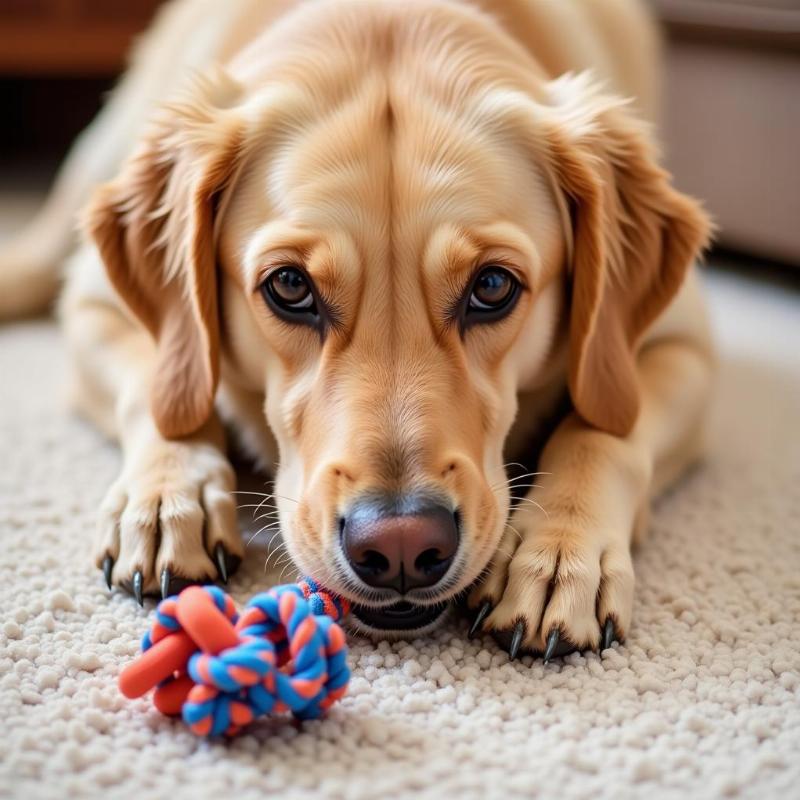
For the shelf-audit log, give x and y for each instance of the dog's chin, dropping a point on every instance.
(397, 621)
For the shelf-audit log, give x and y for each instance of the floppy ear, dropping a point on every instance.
(634, 238)
(153, 226)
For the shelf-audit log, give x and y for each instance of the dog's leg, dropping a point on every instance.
(569, 584)
(170, 515)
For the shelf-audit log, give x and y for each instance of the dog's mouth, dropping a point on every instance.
(402, 616)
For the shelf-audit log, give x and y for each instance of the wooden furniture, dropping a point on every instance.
(69, 38)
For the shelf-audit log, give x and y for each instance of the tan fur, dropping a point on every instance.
(154, 229)
(635, 238)
(392, 148)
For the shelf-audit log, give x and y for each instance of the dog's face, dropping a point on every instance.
(401, 247)
(397, 294)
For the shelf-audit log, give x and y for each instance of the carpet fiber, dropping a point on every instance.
(703, 700)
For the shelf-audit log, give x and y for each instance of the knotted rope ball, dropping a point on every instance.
(220, 670)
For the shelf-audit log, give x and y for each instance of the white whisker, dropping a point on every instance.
(265, 529)
(277, 551)
(541, 508)
(519, 535)
(522, 500)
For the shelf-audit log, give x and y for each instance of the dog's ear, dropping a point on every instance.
(154, 228)
(633, 240)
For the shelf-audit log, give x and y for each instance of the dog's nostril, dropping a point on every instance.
(373, 562)
(431, 560)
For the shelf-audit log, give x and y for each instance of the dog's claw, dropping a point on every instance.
(165, 581)
(552, 643)
(609, 634)
(516, 640)
(108, 568)
(138, 579)
(483, 612)
(222, 565)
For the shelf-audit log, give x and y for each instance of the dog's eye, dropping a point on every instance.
(493, 292)
(289, 288)
(289, 293)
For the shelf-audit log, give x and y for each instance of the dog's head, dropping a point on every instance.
(391, 226)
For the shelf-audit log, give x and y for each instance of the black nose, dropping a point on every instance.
(400, 545)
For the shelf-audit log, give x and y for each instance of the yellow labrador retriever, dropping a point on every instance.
(386, 243)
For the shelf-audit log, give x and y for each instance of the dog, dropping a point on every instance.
(386, 245)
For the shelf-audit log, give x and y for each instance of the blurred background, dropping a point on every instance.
(731, 127)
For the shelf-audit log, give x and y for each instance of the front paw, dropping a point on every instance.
(567, 587)
(169, 520)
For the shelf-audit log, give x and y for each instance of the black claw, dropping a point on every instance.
(483, 612)
(138, 578)
(222, 563)
(609, 634)
(165, 581)
(552, 643)
(108, 567)
(516, 640)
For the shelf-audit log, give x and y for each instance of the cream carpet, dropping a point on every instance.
(702, 701)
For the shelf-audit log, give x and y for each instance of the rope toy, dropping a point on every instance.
(220, 670)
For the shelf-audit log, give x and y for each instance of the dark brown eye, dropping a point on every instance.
(494, 290)
(289, 292)
(290, 289)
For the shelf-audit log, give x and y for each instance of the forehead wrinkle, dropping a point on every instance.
(334, 263)
(508, 236)
(450, 251)
(274, 237)
(449, 256)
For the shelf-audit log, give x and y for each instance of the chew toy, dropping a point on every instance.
(220, 670)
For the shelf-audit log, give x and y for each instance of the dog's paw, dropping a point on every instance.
(169, 520)
(565, 588)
